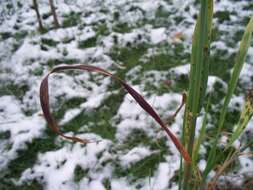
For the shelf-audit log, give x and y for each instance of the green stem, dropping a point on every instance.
(198, 80)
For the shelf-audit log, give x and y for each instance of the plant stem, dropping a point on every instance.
(198, 81)
(56, 22)
(240, 59)
(36, 8)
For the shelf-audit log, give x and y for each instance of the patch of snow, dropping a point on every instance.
(69, 115)
(158, 35)
(183, 69)
(57, 167)
(22, 128)
(134, 155)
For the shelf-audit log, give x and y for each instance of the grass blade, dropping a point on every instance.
(202, 135)
(245, 117)
(240, 59)
(198, 79)
(44, 99)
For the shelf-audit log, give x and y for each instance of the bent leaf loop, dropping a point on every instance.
(44, 100)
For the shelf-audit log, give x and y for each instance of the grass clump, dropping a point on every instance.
(79, 173)
(31, 185)
(105, 112)
(72, 19)
(5, 135)
(5, 35)
(222, 16)
(101, 29)
(122, 28)
(90, 42)
(49, 42)
(27, 158)
(141, 169)
(128, 57)
(136, 137)
(53, 62)
(17, 90)
(69, 104)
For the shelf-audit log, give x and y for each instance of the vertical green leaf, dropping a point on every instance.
(245, 117)
(200, 56)
(240, 59)
(198, 79)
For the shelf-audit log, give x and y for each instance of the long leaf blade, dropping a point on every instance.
(245, 117)
(240, 58)
(44, 99)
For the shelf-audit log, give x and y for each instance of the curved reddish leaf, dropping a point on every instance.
(44, 99)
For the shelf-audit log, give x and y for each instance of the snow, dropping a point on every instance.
(69, 115)
(65, 160)
(158, 35)
(120, 184)
(133, 116)
(22, 128)
(21, 118)
(183, 69)
(134, 155)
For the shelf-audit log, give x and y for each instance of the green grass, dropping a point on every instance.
(101, 29)
(37, 71)
(136, 137)
(223, 119)
(107, 184)
(220, 64)
(180, 85)
(105, 112)
(31, 185)
(17, 90)
(5, 135)
(20, 35)
(79, 173)
(72, 19)
(170, 56)
(122, 28)
(148, 165)
(5, 35)
(49, 42)
(25, 159)
(90, 42)
(130, 57)
(54, 62)
(69, 104)
(142, 168)
(222, 16)
(162, 12)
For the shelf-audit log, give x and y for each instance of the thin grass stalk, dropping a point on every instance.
(183, 139)
(202, 135)
(198, 80)
(246, 115)
(240, 59)
(36, 8)
(56, 22)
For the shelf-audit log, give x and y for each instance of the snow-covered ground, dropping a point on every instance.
(145, 43)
